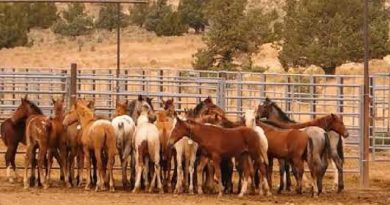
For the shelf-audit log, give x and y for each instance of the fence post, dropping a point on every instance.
(263, 88)
(178, 101)
(372, 110)
(288, 103)
(73, 84)
(161, 85)
(361, 138)
(340, 94)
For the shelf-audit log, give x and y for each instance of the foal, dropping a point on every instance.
(98, 136)
(124, 128)
(225, 143)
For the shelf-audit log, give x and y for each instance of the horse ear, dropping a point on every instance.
(53, 101)
(91, 104)
(333, 116)
(140, 98)
(25, 97)
(173, 100)
(127, 102)
(163, 101)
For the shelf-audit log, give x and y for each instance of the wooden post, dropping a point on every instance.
(313, 93)
(73, 83)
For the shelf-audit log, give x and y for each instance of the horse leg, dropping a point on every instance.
(111, 162)
(202, 163)
(87, 156)
(298, 163)
(80, 166)
(99, 163)
(287, 177)
(245, 164)
(41, 164)
(34, 181)
(191, 171)
(339, 176)
(157, 173)
(65, 165)
(217, 175)
(146, 172)
(179, 181)
(124, 162)
(10, 161)
(27, 161)
(283, 174)
(139, 168)
(49, 164)
(60, 163)
(269, 171)
(263, 175)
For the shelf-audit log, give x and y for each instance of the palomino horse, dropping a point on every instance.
(330, 123)
(165, 125)
(287, 144)
(147, 147)
(225, 143)
(98, 136)
(135, 108)
(73, 141)
(124, 128)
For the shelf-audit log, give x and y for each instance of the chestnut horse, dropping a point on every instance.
(135, 108)
(57, 140)
(98, 136)
(165, 125)
(224, 143)
(169, 105)
(286, 144)
(330, 123)
(12, 133)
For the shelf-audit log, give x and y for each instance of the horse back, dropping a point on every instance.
(100, 134)
(38, 128)
(13, 133)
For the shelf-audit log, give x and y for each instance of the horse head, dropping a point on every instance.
(336, 124)
(25, 109)
(121, 108)
(180, 129)
(250, 118)
(58, 107)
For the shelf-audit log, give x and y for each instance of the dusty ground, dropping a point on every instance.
(378, 193)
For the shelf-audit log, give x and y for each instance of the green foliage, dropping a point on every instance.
(41, 15)
(138, 14)
(108, 17)
(330, 33)
(13, 25)
(234, 34)
(75, 21)
(163, 20)
(192, 14)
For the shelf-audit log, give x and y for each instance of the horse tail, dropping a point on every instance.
(326, 149)
(264, 156)
(48, 126)
(309, 150)
(340, 150)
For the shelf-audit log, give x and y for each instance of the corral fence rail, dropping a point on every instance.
(302, 96)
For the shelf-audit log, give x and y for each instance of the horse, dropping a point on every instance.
(124, 128)
(12, 133)
(225, 143)
(330, 123)
(74, 146)
(147, 147)
(208, 106)
(38, 128)
(164, 125)
(169, 105)
(57, 140)
(135, 108)
(286, 144)
(98, 136)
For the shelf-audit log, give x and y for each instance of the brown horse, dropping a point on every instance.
(98, 137)
(57, 140)
(169, 105)
(225, 143)
(287, 144)
(12, 133)
(73, 141)
(330, 123)
(121, 108)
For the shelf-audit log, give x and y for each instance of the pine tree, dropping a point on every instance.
(108, 17)
(13, 25)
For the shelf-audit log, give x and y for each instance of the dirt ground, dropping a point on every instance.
(378, 193)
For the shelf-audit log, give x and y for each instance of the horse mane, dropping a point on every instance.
(198, 108)
(34, 107)
(273, 124)
(281, 113)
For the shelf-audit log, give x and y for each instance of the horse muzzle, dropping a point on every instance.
(346, 134)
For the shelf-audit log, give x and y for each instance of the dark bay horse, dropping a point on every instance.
(225, 143)
(330, 123)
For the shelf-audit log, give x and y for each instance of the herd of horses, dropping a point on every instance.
(167, 151)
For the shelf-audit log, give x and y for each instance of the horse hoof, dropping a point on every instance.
(45, 186)
(26, 186)
(161, 191)
(191, 192)
(68, 185)
(219, 194)
(11, 180)
(240, 195)
(87, 188)
(112, 189)
(269, 193)
(136, 190)
(200, 191)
